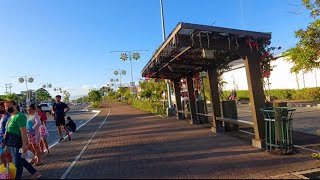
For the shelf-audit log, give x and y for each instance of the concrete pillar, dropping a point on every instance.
(215, 99)
(177, 93)
(192, 101)
(256, 94)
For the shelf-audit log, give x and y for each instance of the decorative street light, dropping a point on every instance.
(129, 55)
(58, 89)
(119, 72)
(27, 79)
(47, 85)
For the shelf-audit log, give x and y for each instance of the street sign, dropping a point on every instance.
(132, 83)
(133, 90)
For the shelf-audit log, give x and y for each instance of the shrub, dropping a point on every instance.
(282, 94)
(308, 94)
(96, 104)
(147, 105)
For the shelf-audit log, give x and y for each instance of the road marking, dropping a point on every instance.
(307, 149)
(86, 109)
(57, 141)
(68, 170)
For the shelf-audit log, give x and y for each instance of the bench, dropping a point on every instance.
(184, 112)
(201, 114)
(235, 121)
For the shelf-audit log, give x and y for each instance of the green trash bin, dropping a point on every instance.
(278, 129)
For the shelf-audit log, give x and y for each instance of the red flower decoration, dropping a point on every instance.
(266, 74)
(254, 44)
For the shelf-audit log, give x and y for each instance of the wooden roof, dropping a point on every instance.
(192, 48)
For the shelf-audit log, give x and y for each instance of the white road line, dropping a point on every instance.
(65, 174)
(86, 109)
(57, 141)
(307, 149)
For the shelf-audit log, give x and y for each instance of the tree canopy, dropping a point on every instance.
(305, 55)
(152, 89)
(42, 95)
(94, 96)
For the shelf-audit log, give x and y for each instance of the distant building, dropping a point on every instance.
(280, 78)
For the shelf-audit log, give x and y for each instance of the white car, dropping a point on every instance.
(46, 107)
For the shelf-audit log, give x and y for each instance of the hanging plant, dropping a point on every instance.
(266, 56)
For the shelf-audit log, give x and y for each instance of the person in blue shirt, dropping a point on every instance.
(3, 121)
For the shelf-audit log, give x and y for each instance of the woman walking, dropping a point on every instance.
(33, 124)
(44, 143)
(16, 139)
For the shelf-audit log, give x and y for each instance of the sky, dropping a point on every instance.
(67, 42)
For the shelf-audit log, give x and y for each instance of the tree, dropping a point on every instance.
(94, 96)
(151, 89)
(66, 97)
(11, 96)
(83, 99)
(105, 89)
(42, 95)
(305, 55)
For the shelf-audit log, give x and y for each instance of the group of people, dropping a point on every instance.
(20, 133)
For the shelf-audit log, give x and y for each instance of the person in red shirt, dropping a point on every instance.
(43, 118)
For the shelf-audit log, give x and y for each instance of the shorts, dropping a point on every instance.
(60, 121)
(33, 139)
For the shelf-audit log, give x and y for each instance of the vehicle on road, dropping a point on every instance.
(46, 107)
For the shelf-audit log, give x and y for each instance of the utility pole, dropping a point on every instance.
(8, 86)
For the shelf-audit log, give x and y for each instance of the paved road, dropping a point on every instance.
(77, 115)
(133, 144)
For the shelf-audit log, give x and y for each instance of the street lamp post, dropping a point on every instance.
(170, 108)
(120, 72)
(129, 55)
(8, 86)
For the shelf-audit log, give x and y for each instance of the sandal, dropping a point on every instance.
(38, 164)
(61, 139)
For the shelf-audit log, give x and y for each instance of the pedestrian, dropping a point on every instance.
(59, 110)
(33, 133)
(16, 139)
(3, 122)
(44, 143)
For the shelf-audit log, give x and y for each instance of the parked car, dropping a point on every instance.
(46, 107)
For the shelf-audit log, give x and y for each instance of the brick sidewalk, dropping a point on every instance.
(134, 144)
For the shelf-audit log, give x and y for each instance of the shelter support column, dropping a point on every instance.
(215, 99)
(256, 94)
(178, 98)
(192, 101)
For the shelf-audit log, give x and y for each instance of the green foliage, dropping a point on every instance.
(152, 107)
(95, 96)
(152, 90)
(313, 6)
(307, 94)
(96, 104)
(306, 53)
(284, 94)
(12, 96)
(83, 99)
(42, 95)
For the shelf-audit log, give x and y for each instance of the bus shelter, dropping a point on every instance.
(193, 48)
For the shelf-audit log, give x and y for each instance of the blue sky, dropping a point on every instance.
(67, 42)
